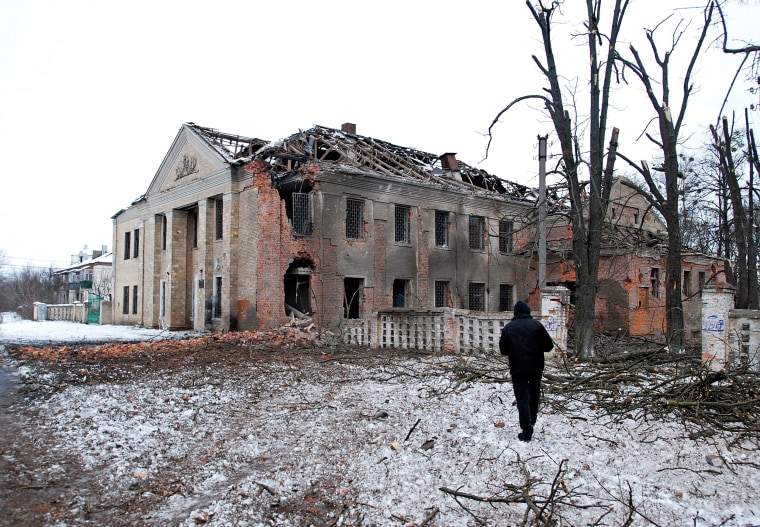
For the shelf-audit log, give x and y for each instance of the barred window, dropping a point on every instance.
(477, 296)
(401, 293)
(302, 213)
(442, 294)
(219, 218)
(442, 226)
(401, 215)
(505, 236)
(477, 232)
(354, 219)
(505, 297)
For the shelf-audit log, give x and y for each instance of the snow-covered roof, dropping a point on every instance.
(105, 259)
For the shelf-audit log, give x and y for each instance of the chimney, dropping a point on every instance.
(449, 161)
(349, 128)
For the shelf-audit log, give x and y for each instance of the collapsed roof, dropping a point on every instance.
(343, 148)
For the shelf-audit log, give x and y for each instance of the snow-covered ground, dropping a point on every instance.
(14, 330)
(333, 438)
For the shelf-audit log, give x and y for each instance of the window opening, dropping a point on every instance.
(192, 221)
(219, 218)
(442, 294)
(687, 283)
(477, 232)
(134, 299)
(352, 296)
(217, 296)
(127, 244)
(477, 296)
(701, 277)
(162, 301)
(164, 228)
(296, 193)
(505, 297)
(401, 293)
(401, 215)
(655, 280)
(354, 219)
(137, 243)
(297, 284)
(505, 236)
(125, 301)
(442, 227)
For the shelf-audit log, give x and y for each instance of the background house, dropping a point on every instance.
(89, 276)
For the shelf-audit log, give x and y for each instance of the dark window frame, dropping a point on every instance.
(442, 228)
(136, 241)
(127, 244)
(402, 224)
(134, 299)
(125, 301)
(476, 296)
(355, 218)
(506, 231)
(477, 232)
(218, 219)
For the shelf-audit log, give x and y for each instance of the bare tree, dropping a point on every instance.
(669, 129)
(587, 215)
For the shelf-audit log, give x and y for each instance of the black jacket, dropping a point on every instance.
(525, 341)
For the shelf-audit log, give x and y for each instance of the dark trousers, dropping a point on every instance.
(527, 394)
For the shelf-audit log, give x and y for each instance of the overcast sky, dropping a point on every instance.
(92, 93)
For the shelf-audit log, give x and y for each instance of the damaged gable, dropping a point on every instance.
(198, 152)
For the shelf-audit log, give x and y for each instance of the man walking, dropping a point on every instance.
(524, 341)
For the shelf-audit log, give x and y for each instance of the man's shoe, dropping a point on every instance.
(524, 437)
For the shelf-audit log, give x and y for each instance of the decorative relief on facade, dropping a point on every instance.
(187, 165)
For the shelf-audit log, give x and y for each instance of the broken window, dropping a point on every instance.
(476, 296)
(297, 283)
(401, 293)
(442, 293)
(505, 297)
(505, 236)
(655, 279)
(401, 215)
(127, 244)
(701, 279)
(352, 295)
(295, 191)
(219, 218)
(442, 226)
(125, 301)
(301, 213)
(217, 296)
(354, 219)
(134, 299)
(136, 252)
(477, 232)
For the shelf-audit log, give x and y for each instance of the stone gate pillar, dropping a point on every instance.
(555, 310)
(717, 302)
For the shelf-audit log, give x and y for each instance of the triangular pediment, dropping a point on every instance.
(188, 160)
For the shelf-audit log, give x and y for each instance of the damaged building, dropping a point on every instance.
(334, 228)
(325, 225)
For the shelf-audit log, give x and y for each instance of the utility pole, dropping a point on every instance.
(542, 212)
